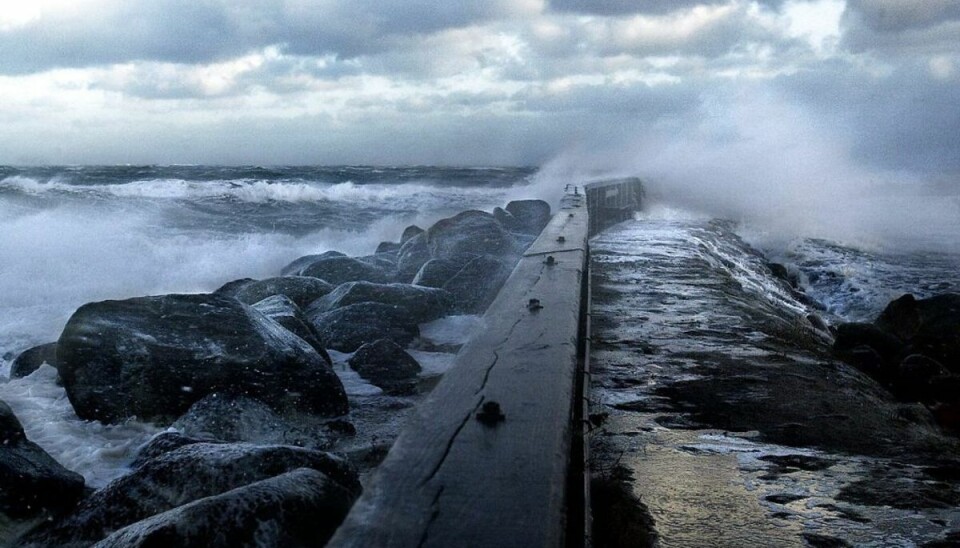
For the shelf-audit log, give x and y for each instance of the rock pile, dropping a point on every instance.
(246, 373)
(913, 349)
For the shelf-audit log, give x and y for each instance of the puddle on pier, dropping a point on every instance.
(719, 403)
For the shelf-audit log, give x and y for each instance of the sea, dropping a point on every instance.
(76, 234)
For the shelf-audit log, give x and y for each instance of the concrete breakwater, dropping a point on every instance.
(494, 456)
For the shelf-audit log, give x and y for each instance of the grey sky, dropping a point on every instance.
(469, 82)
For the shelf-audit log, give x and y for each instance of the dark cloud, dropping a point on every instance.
(899, 15)
(203, 31)
(908, 119)
(630, 7)
(901, 28)
(624, 7)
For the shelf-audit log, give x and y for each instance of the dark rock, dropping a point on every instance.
(504, 217)
(781, 272)
(853, 335)
(938, 335)
(163, 443)
(475, 232)
(31, 359)
(412, 256)
(180, 476)
(387, 365)
(386, 261)
(388, 247)
(798, 462)
(297, 266)
(436, 272)
(230, 288)
(420, 304)
(901, 317)
(153, 357)
(302, 290)
(915, 374)
(283, 311)
(299, 508)
(348, 328)
(529, 216)
(231, 418)
(477, 284)
(338, 270)
(31, 481)
(410, 232)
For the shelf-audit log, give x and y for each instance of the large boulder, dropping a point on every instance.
(298, 509)
(436, 272)
(387, 365)
(297, 266)
(410, 232)
(338, 270)
(31, 359)
(937, 333)
(232, 418)
(528, 216)
(31, 481)
(153, 357)
(851, 336)
(286, 313)
(469, 232)
(413, 254)
(420, 304)
(188, 473)
(302, 290)
(348, 328)
(476, 284)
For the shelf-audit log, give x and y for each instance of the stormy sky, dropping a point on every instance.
(480, 82)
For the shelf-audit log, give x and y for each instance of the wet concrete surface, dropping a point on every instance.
(717, 404)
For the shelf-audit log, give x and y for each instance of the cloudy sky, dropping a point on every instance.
(493, 82)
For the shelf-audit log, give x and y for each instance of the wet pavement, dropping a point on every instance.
(718, 408)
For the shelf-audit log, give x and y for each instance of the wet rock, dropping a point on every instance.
(475, 232)
(178, 477)
(302, 290)
(232, 418)
(348, 328)
(781, 272)
(410, 232)
(938, 335)
(412, 256)
(419, 304)
(529, 216)
(388, 247)
(851, 336)
(31, 481)
(297, 266)
(338, 270)
(437, 272)
(286, 313)
(901, 317)
(153, 357)
(798, 462)
(387, 365)
(31, 359)
(477, 284)
(915, 375)
(163, 443)
(504, 217)
(299, 508)
(815, 540)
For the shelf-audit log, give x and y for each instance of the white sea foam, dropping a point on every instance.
(54, 260)
(412, 195)
(98, 452)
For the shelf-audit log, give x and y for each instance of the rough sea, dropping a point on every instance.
(72, 235)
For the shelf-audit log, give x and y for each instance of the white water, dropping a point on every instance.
(96, 451)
